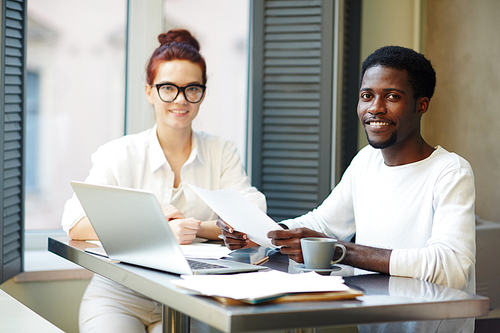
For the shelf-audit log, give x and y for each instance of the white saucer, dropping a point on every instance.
(332, 268)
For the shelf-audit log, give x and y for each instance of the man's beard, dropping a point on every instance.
(384, 144)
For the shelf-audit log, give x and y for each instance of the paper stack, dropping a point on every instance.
(259, 287)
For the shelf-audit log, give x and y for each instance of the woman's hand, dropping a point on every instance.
(234, 239)
(185, 229)
(289, 240)
(172, 213)
(83, 230)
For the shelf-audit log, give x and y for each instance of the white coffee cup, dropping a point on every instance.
(318, 252)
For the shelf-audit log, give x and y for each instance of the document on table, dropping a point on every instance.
(239, 213)
(260, 286)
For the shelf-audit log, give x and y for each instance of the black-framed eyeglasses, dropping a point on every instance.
(168, 92)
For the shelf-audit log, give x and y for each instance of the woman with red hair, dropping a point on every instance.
(163, 160)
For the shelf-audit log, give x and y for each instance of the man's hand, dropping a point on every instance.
(234, 239)
(289, 240)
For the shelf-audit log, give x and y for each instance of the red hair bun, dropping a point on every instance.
(178, 36)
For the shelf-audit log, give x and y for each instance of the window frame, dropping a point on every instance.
(141, 19)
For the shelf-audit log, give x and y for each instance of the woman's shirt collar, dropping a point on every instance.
(157, 157)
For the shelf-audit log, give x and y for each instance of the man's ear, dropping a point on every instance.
(422, 105)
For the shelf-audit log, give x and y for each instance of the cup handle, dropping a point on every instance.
(344, 250)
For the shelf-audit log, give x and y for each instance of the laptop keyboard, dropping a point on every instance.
(202, 265)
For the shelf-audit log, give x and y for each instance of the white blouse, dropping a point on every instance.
(138, 161)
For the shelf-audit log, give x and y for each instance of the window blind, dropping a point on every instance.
(291, 103)
(12, 70)
(292, 72)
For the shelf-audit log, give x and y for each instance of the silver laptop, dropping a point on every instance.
(132, 228)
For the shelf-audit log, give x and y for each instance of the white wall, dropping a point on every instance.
(389, 22)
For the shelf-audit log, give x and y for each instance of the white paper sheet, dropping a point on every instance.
(239, 213)
(260, 285)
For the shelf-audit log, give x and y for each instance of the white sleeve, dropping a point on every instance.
(449, 256)
(335, 216)
(100, 173)
(73, 212)
(234, 175)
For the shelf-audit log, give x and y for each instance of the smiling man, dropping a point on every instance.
(410, 205)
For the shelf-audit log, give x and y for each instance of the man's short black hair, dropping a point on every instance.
(420, 72)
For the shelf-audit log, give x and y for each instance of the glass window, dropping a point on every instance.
(32, 126)
(222, 28)
(75, 97)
